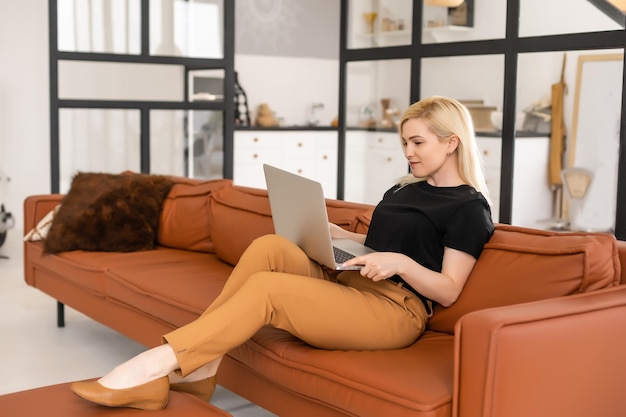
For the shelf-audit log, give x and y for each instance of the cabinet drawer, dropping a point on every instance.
(259, 156)
(490, 151)
(384, 140)
(253, 140)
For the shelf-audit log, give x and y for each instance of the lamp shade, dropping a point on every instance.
(444, 3)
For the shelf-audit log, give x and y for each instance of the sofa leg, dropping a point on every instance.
(60, 314)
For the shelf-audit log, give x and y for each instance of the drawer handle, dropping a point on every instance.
(325, 157)
(485, 152)
(389, 159)
(255, 155)
(299, 144)
(299, 171)
(380, 140)
(255, 140)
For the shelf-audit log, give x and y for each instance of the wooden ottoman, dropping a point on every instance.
(59, 401)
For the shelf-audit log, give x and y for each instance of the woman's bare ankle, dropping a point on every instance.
(204, 372)
(143, 368)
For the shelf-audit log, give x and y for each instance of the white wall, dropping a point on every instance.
(24, 108)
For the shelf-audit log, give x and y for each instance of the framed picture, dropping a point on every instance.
(462, 15)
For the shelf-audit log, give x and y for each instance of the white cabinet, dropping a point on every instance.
(312, 154)
(374, 161)
(532, 197)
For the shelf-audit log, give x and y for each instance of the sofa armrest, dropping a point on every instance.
(36, 207)
(560, 357)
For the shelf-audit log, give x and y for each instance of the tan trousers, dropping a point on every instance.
(276, 284)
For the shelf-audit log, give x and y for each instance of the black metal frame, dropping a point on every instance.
(613, 12)
(510, 46)
(144, 107)
(226, 106)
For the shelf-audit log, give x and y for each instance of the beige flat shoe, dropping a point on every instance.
(203, 388)
(152, 395)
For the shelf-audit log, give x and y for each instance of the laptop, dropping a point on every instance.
(299, 214)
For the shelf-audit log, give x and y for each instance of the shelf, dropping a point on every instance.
(436, 32)
(386, 38)
(447, 28)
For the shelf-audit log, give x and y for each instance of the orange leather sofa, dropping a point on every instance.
(540, 329)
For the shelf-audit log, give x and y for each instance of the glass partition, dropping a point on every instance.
(593, 145)
(554, 17)
(377, 92)
(472, 20)
(478, 82)
(97, 140)
(206, 85)
(101, 26)
(379, 23)
(120, 81)
(189, 28)
(187, 143)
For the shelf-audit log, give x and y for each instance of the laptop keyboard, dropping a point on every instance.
(341, 255)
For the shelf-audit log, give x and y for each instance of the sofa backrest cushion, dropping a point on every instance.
(184, 222)
(521, 265)
(240, 214)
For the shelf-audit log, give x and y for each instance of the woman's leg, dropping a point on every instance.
(267, 253)
(322, 313)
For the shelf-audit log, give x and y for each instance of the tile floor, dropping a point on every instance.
(35, 353)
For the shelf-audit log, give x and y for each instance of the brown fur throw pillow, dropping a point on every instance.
(106, 212)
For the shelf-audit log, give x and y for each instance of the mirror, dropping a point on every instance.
(594, 141)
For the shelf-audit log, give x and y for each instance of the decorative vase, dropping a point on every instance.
(386, 117)
(370, 20)
(242, 113)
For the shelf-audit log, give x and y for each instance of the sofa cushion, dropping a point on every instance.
(87, 270)
(154, 288)
(520, 265)
(416, 381)
(184, 222)
(238, 215)
(106, 212)
(242, 214)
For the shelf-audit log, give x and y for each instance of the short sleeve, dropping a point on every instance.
(469, 227)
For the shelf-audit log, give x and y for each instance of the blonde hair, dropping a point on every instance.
(447, 117)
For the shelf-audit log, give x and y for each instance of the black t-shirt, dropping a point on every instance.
(419, 220)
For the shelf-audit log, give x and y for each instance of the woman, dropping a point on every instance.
(429, 229)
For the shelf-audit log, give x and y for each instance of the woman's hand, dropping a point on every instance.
(378, 266)
(443, 287)
(337, 232)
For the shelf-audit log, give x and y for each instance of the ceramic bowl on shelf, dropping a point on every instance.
(496, 120)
